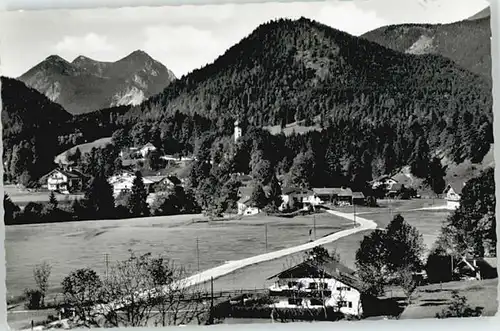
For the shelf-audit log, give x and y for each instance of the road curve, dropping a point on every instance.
(229, 267)
(219, 271)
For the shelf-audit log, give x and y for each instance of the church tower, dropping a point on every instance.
(237, 131)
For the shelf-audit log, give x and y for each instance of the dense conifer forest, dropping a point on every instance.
(379, 109)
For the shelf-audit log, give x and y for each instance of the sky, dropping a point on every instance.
(185, 38)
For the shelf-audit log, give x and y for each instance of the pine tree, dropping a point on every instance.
(118, 165)
(435, 178)
(419, 160)
(274, 198)
(99, 201)
(52, 201)
(333, 166)
(138, 205)
(258, 197)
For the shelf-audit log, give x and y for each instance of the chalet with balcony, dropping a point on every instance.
(334, 195)
(383, 181)
(65, 181)
(318, 284)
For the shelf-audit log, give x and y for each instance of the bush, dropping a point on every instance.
(438, 267)
(459, 308)
(33, 299)
(371, 201)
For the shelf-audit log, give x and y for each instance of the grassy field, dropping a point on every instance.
(23, 197)
(427, 222)
(432, 299)
(298, 128)
(84, 148)
(71, 245)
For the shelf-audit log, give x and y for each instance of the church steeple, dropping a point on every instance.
(237, 131)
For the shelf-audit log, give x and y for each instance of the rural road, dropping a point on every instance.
(222, 270)
(227, 268)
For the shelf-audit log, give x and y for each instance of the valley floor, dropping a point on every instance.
(240, 239)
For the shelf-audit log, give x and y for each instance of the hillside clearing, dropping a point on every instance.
(84, 148)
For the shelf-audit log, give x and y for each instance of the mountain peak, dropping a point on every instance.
(55, 59)
(138, 54)
(485, 13)
(81, 58)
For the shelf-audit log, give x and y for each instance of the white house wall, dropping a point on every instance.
(339, 292)
(55, 180)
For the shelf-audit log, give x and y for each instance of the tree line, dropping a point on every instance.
(395, 254)
(285, 71)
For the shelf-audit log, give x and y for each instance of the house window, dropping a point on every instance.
(343, 288)
(316, 302)
(313, 286)
(295, 301)
(347, 304)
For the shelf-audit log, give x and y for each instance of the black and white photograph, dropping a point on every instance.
(250, 163)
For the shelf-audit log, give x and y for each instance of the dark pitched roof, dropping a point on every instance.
(71, 174)
(339, 191)
(382, 178)
(294, 190)
(327, 268)
(358, 195)
(174, 180)
(482, 263)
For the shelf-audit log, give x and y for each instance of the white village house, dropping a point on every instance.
(452, 195)
(149, 147)
(385, 180)
(123, 183)
(336, 195)
(142, 151)
(246, 207)
(64, 181)
(293, 198)
(313, 284)
(245, 204)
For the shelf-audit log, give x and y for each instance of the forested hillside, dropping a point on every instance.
(380, 109)
(466, 42)
(291, 70)
(31, 127)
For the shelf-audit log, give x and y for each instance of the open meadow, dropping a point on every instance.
(428, 222)
(71, 245)
(431, 299)
(84, 148)
(23, 197)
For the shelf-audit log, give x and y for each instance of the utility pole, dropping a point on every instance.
(433, 193)
(198, 253)
(451, 258)
(106, 261)
(354, 206)
(266, 236)
(211, 319)
(314, 225)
